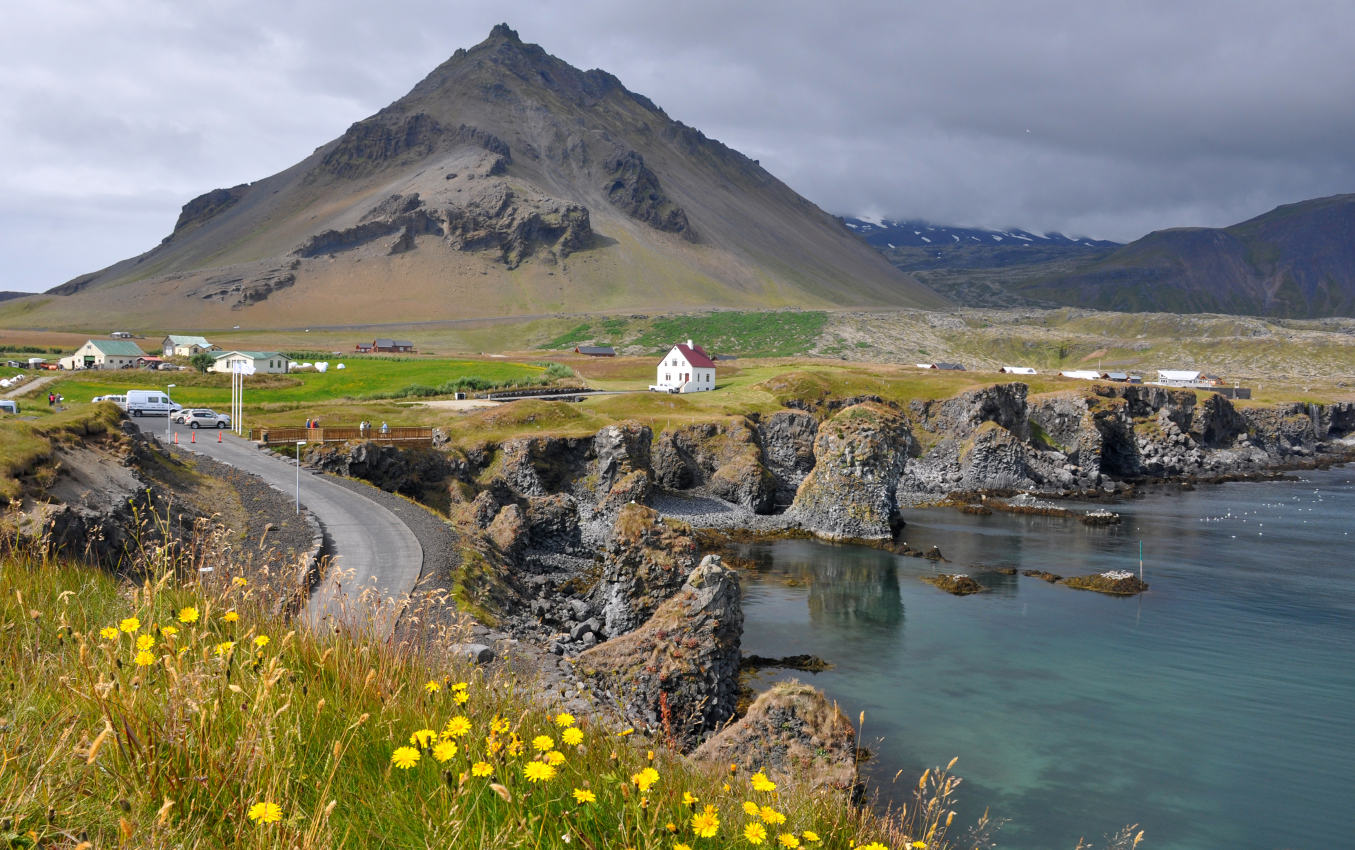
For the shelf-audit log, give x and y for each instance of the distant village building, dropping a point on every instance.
(595, 350)
(945, 367)
(1081, 374)
(393, 346)
(104, 354)
(363, 348)
(1177, 377)
(1017, 370)
(686, 368)
(178, 345)
(253, 362)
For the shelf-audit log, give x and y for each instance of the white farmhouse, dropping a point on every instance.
(179, 345)
(686, 368)
(104, 354)
(251, 362)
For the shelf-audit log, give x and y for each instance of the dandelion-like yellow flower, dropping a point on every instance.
(543, 743)
(918, 845)
(188, 614)
(750, 808)
(444, 751)
(624, 732)
(145, 642)
(583, 795)
(498, 725)
(874, 845)
(261, 641)
(706, 823)
(460, 686)
(169, 631)
(460, 697)
(564, 719)
(230, 617)
(432, 687)
(131, 625)
(108, 633)
(572, 736)
(689, 799)
(538, 771)
(144, 659)
(405, 757)
(645, 778)
(456, 727)
(224, 648)
(481, 768)
(811, 836)
(555, 758)
(755, 833)
(515, 746)
(265, 813)
(725, 788)
(762, 783)
(423, 738)
(493, 745)
(239, 581)
(771, 816)
(788, 840)
(681, 846)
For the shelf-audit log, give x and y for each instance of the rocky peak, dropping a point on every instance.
(503, 32)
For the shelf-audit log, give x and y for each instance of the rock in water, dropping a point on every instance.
(794, 734)
(677, 675)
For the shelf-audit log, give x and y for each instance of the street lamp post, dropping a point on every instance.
(169, 414)
(299, 444)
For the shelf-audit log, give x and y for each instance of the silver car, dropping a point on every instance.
(204, 418)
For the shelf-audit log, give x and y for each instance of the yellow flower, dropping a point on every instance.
(874, 845)
(670, 826)
(493, 745)
(405, 757)
(811, 836)
(645, 778)
(261, 641)
(432, 687)
(169, 631)
(145, 642)
(706, 823)
(239, 581)
(515, 746)
(583, 795)
(624, 732)
(224, 647)
(498, 725)
(772, 816)
(456, 727)
(444, 751)
(788, 840)
(543, 743)
(755, 833)
(130, 625)
(555, 758)
(918, 845)
(689, 799)
(572, 736)
(538, 771)
(230, 616)
(649, 755)
(750, 808)
(725, 788)
(564, 719)
(423, 738)
(460, 686)
(265, 813)
(188, 615)
(108, 633)
(481, 768)
(762, 783)
(681, 846)
(144, 659)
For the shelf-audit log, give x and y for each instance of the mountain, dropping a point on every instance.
(1296, 261)
(505, 183)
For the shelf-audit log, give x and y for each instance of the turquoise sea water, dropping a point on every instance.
(1217, 710)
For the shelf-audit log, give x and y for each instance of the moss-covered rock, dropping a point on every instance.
(1114, 582)
(956, 584)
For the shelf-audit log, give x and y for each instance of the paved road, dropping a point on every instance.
(373, 549)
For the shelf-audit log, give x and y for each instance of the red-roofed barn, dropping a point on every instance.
(686, 368)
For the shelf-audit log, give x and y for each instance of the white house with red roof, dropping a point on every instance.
(686, 368)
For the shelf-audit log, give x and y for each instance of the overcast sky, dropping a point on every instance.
(1092, 118)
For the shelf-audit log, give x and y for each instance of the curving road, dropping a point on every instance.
(373, 550)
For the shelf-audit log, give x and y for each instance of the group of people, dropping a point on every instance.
(53, 399)
(365, 428)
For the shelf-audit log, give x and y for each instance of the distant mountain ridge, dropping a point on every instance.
(918, 233)
(504, 183)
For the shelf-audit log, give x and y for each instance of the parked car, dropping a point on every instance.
(204, 418)
(180, 416)
(8, 405)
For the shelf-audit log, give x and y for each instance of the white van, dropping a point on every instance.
(149, 403)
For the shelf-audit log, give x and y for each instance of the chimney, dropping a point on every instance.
(690, 343)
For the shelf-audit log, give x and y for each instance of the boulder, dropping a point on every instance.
(677, 675)
(795, 735)
(995, 459)
(617, 451)
(509, 531)
(646, 562)
(723, 457)
(553, 523)
(859, 455)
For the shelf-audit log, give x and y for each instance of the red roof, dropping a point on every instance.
(696, 355)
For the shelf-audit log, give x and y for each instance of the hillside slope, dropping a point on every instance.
(505, 183)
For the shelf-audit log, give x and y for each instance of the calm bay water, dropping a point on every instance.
(1217, 710)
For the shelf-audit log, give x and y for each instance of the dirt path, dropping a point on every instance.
(25, 389)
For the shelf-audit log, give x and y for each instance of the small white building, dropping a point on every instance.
(1017, 370)
(252, 362)
(104, 354)
(1081, 374)
(686, 368)
(178, 345)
